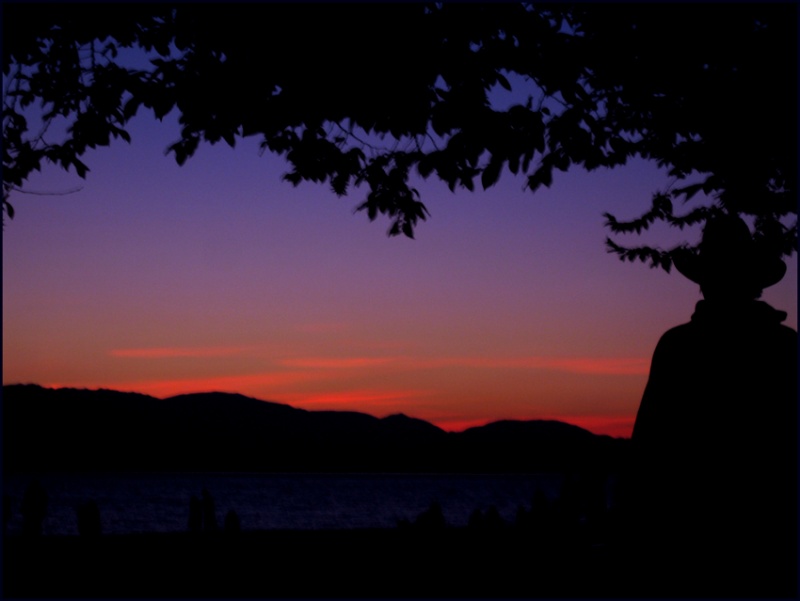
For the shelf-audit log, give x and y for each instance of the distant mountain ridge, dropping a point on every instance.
(71, 429)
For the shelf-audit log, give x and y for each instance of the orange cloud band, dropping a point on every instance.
(614, 366)
(358, 399)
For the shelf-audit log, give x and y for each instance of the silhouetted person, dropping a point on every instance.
(715, 439)
(475, 520)
(195, 514)
(539, 520)
(522, 520)
(7, 512)
(431, 519)
(492, 519)
(209, 512)
(540, 504)
(569, 509)
(33, 509)
(89, 524)
(232, 522)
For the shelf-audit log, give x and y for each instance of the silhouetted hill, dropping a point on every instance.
(540, 428)
(79, 430)
(537, 444)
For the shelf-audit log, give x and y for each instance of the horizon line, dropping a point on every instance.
(467, 423)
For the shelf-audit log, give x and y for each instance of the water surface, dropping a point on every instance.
(152, 502)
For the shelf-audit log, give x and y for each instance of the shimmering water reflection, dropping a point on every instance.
(160, 502)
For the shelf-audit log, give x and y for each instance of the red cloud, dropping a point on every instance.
(612, 366)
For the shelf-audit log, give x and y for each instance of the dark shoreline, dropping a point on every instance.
(368, 563)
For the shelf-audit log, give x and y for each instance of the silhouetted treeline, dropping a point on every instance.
(81, 430)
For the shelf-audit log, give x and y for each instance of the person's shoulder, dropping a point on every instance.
(679, 332)
(787, 334)
(781, 330)
(683, 336)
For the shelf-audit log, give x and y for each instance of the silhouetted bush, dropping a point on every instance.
(209, 512)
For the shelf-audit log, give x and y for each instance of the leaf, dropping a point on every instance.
(162, 106)
(339, 183)
(80, 168)
(425, 165)
(689, 191)
(526, 160)
(542, 176)
(491, 172)
(293, 178)
(503, 81)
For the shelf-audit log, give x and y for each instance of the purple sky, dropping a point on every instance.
(216, 275)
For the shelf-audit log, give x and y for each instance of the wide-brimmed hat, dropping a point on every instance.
(728, 251)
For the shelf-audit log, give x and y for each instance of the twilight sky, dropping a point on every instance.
(218, 276)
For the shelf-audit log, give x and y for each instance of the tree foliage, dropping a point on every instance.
(371, 94)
